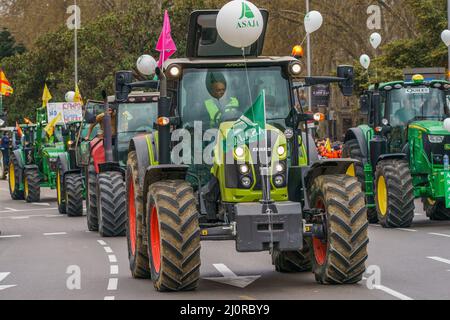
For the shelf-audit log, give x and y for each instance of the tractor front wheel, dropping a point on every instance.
(394, 194)
(32, 186)
(340, 256)
(73, 186)
(14, 179)
(292, 261)
(112, 211)
(91, 199)
(436, 210)
(173, 236)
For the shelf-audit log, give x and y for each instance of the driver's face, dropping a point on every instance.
(218, 90)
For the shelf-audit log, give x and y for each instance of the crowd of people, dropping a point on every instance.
(328, 150)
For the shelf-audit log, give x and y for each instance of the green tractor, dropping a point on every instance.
(34, 164)
(276, 196)
(8, 141)
(403, 151)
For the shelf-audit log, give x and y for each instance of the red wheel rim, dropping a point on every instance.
(155, 240)
(132, 218)
(320, 246)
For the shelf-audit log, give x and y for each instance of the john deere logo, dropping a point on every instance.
(247, 19)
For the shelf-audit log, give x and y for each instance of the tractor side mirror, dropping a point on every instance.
(123, 79)
(364, 104)
(346, 86)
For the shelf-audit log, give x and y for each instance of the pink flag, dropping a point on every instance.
(166, 46)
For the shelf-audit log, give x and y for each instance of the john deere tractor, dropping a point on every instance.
(403, 151)
(198, 178)
(34, 164)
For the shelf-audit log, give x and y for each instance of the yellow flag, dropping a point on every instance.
(46, 97)
(50, 128)
(328, 145)
(5, 86)
(78, 97)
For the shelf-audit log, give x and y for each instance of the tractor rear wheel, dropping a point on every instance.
(173, 236)
(32, 186)
(137, 246)
(353, 151)
(14, 179)
(2, 167)
(293, 261)
(91, 199)
(111, 204)
(339, 258)
(436, 210)
(73, 186)
(60, 193)
(394, 194)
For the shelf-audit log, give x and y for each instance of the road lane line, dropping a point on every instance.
(113, 284)
(20, 218)
(108, 250)
(112, 258)
(44, 204)
(407, 230)
(28, 210)
(110, 298)
(11, 209)
(440, 235)
(11, 236)
(439, 259)
(114, 270)
(102, 243)
(55, 234)
(390, 291)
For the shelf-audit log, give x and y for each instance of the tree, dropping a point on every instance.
(8, 46)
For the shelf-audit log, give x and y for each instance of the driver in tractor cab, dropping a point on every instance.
(219, 103)
(406, 113)
(99, 121)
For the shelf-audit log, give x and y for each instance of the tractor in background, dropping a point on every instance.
(403, 151)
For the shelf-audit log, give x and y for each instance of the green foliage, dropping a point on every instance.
(8, 46)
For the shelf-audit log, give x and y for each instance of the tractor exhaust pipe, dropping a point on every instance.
(164, 137)
(107, 134)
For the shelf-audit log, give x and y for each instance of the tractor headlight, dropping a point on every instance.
(295, 69)
(278, 181)
(246, 182)
(175, 71)
(279, 168)
(244, 169)
(239, 151)
(436, 139)
(281, 150)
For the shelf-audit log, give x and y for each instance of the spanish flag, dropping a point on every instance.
(50, 128)
(5, 86)
(46, 97)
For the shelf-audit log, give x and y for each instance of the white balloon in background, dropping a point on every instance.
(70, 96)
(146, 65)
(365, 61)
(240, 23)
(313, 21)
(375, 40)
(445, 36)
(447, 124)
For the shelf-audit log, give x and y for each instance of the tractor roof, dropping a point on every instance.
(231, 61)
(392, 84)
(138, 96)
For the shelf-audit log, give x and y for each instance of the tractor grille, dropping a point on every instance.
(437, 150)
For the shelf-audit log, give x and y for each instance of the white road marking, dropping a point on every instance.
(3, 276)
(230, 278)
(114, 270)
(391, 292)
(440, 235)
(11, 236)
(110, 298)
(112, 258)
(375, 225)
(20, 218)
(439, 259)
(407, 230)
(11, 209)
(102, 243)
(108, 250)
(54, 216)
(44, 204)
(27, 210)
(55, 234)
(418, 214)
(112, 284)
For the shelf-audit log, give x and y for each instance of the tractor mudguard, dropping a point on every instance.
(140, 146)
(392, 156)
(97, 153)
(357, 133)
(154, 174)
(64, 163)
(19, 156)
(327, 167)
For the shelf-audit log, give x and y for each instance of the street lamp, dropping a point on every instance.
(308, 60)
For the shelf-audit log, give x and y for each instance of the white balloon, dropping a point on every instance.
(70, 96)
(313, 21)
(365, 61)
(447, 124)
(375, 40)
(146, 65)
(445, 36)
(240, 23)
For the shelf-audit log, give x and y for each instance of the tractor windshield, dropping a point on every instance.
(415, 103)
(213, 96)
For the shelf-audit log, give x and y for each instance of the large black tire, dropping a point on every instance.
(73, 186)
(436, 210)
(173, 236)
(340, 257)
(32, 186)
(137, 245)
(394, 194)
(60, 192)
(293, 261)
(14, 174)
(111, 204)
(91, 199)
(3, 169)
(352, 150)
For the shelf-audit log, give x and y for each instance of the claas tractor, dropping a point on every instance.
(106, 157)
(34, 164)
(403, 151)
(196, 178)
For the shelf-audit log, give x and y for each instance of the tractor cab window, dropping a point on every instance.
(214, 96)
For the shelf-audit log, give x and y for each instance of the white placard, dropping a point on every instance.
(70, 111)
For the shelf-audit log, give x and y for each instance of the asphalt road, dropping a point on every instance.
(42, 252)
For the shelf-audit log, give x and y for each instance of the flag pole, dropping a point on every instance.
(76, 44)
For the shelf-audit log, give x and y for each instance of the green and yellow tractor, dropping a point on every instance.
(403, 151)
(198, 178)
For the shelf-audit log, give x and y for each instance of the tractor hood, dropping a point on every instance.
(430, 127)
(53, 151)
